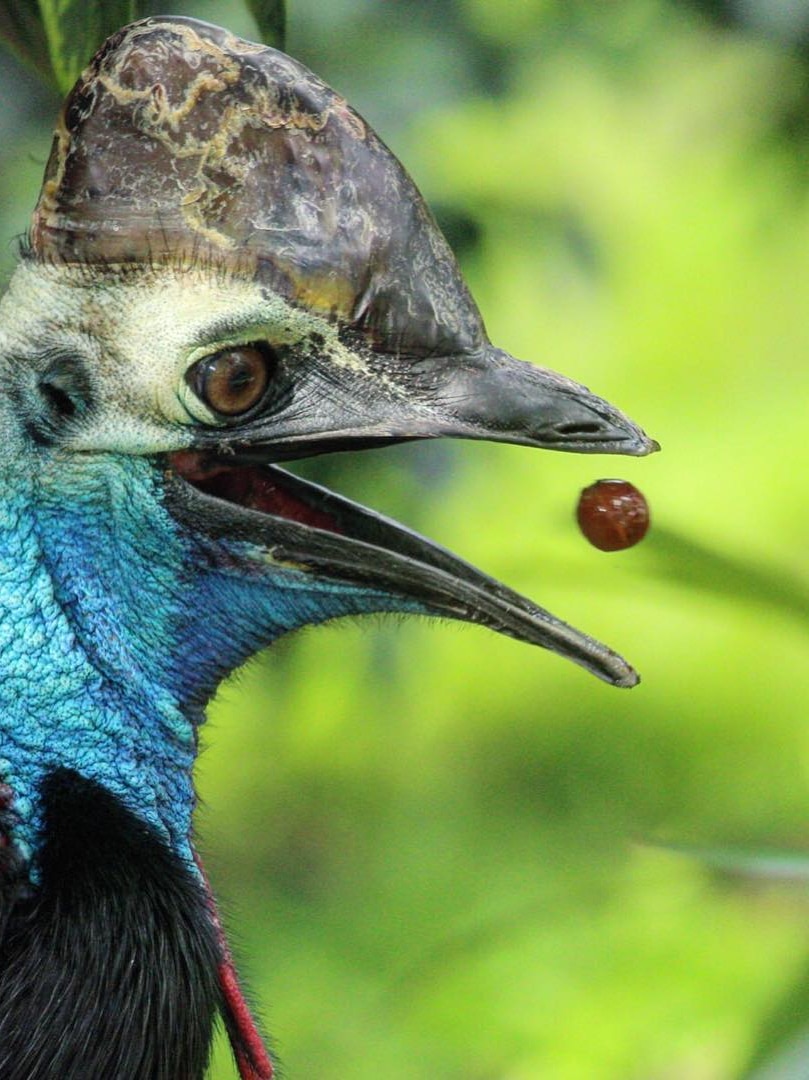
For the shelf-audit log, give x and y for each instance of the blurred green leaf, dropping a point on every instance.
(790, 1063)
(781, 1051)
(75, 29)
(677, 557)
(270, 15)
(57, 37)
(22, 31)
(742, 863)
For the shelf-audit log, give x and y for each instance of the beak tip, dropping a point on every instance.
(616, 671)
(629, 680)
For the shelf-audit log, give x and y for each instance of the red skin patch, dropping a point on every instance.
(249, 486)
(254, 1063)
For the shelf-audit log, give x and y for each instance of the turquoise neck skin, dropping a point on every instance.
(116, 624)
(88, 621)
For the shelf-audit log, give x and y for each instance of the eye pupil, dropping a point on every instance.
(233, 381)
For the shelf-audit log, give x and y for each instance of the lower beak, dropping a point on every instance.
(298, 524)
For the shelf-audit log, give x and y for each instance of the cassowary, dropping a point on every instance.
(226, 269)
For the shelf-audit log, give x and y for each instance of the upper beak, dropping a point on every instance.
(485, 394)
(490, 395)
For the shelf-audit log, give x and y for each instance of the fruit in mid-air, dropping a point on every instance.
(613, 514)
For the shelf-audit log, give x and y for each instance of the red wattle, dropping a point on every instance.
(251, 1055)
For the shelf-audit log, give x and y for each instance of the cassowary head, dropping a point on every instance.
(226, 269)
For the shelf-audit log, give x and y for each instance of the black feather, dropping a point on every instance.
(109, 967)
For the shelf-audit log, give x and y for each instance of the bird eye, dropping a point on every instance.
(233, 381)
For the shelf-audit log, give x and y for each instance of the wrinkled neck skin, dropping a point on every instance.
(115, 627)
(88, 619)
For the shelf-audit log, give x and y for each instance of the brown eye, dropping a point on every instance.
(613, 514)
(233, 381)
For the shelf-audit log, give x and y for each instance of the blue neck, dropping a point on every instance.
(86, 622)
(116, 625)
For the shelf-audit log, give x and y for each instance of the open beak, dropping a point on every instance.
(234, 491)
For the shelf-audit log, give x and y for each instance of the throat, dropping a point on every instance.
(82, 638)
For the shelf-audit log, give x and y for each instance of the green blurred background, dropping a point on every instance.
(441, 854)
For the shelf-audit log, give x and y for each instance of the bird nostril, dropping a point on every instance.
(588, 428)
(60, 401)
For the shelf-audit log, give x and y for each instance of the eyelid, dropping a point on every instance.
(212, 346)
(231, 336)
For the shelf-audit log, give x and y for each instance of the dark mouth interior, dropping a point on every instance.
(255, 487)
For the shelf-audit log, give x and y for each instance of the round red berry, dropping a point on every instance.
(613, 514)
